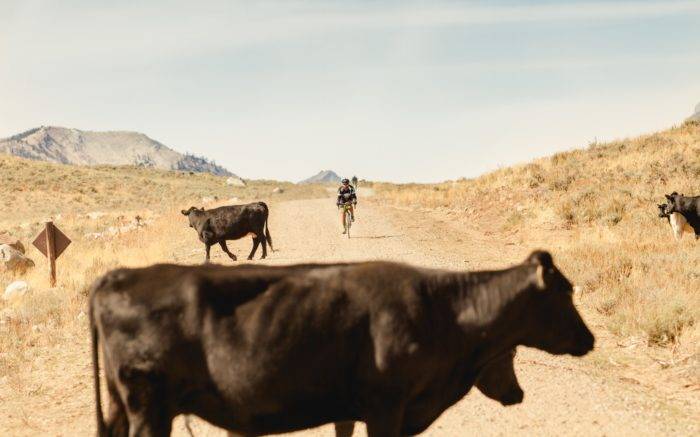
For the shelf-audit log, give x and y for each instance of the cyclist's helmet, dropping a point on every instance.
(345, 181)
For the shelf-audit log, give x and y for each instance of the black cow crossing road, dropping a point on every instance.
(264, 349)
(231, 223)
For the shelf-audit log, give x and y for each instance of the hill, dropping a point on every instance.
(322, 177)
(32, 191)
(595, 208)
(73, 146)
(696, 114)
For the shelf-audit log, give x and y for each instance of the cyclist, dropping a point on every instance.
(346, 196)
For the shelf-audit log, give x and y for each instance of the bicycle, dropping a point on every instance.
(348, 217)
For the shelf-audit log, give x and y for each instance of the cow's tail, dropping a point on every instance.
(267, 227)
(267, 235)
(101, 427)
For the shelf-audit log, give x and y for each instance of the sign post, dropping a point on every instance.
(51, 242)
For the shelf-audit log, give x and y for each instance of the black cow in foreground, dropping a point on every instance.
(688, 207)
(231, 223)
(268, 349)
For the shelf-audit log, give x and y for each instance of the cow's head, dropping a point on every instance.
(192, 214)
(672, 202)
(554, 323)
(662, 210)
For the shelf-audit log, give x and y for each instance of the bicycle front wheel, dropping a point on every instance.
(348, 222)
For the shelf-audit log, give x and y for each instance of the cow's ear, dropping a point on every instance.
(541, 257)
(184, 212)
(541, 278)
(669, 197)
(543, 260)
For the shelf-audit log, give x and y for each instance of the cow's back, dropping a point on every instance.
(237, 221)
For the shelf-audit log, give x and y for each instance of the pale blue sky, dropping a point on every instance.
(388, 90)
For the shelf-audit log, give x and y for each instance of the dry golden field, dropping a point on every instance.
(595, 208)
(33, 192)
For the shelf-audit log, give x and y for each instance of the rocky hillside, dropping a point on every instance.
(322, 177)
(73, 146)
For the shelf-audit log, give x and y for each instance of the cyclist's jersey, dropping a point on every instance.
(346, 194)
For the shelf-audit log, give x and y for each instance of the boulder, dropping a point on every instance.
(277, 190)
(12, 242)
(236, 182)
(13, 260)
(16, 289)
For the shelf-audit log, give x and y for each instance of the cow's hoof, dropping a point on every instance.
(250, 258)
(514, 397)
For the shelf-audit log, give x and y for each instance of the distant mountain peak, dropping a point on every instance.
(73, 146)
(322, 177)
(696, 115)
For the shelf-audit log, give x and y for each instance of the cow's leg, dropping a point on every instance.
(149, 423)
(222, 243)
(207, 248)
(146, 412)
(385, 422)
(344, 429)
(117, 423)
(256, 241)
(263, 240)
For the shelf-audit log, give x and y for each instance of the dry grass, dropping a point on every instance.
(47, 312)
(596, 209)
(32, 192)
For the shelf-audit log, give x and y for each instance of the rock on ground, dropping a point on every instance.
(236, 182)
(12, 242)
(94, 215)
(16, 289)
(13, 260)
